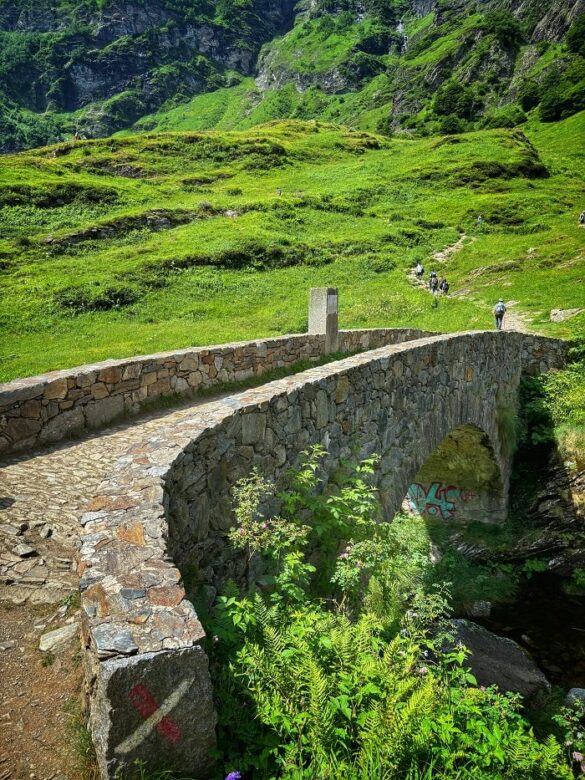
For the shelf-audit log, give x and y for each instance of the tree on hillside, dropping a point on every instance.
(576, 37)
(506, 28)
(454, 98)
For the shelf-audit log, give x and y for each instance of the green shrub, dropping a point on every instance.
(451, 125)
(529, 94)
(455, 99)
(506, 28)
(509, 116)
(576, 36)
(338, 652)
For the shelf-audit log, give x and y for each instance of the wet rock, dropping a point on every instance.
(576, 696)
(480, 609)
(57, 639)
(496, 660)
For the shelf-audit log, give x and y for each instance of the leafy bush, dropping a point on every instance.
(455, 99)
(529, 94)
(451, 125)
(576, 36)
(506, 28)
(563, 93)
(338, 651)
(510, 116)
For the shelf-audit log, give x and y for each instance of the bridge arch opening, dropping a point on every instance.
(460, 482)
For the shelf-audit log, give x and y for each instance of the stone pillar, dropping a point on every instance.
(323, 316)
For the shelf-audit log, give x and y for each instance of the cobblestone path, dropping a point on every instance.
(42, 496)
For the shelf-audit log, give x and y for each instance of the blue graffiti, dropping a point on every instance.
(439, 501)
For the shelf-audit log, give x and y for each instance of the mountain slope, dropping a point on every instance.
(423, 67)
(97, 66)
(131, 245)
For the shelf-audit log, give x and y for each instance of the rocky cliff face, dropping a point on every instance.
(418, 45)
(97, 67)
(134, 53)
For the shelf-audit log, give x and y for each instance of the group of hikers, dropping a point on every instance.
(441, 284)
(436, 284)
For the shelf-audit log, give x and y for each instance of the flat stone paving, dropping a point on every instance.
(42, 495)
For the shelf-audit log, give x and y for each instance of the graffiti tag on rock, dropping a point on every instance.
(438, 500)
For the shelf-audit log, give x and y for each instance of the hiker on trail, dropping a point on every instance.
(444, 287)
(419, 271)
(499, 311)
(582, 218)
(479, 221)
(433, 283)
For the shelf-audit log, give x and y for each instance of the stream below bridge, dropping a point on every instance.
(549, 624)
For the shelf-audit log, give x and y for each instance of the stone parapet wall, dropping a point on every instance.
(60, 404)
(167, 506)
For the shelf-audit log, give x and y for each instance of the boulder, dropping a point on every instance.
(497, 660)
(575, 697)
(560, 315)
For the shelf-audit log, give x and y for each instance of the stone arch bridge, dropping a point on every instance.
(423, 402)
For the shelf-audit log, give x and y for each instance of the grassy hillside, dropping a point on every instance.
(132, 245)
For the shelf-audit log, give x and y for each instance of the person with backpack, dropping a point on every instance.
(499, 311)
(433, 282)
(444, 287)
(419, 270)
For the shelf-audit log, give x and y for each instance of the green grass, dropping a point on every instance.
(356, 211)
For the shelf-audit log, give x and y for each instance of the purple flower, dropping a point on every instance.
(234, 776)
(578, 757)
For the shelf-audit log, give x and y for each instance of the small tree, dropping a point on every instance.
(506, 28)
(576, 37)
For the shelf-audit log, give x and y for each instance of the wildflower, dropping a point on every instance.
(578, 757)
(265, 526)
(240, 530)
(234, 776)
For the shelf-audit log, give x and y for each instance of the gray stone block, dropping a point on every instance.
(101, 412)
(155, 707)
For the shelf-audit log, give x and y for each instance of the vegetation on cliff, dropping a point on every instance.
(420, 66)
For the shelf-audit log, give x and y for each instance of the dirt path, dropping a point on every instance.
(42, 496)
(513, 320)
(445, 254)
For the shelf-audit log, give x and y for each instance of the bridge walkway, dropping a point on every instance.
(42, 496)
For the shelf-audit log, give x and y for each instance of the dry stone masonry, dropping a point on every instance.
(60, 404)
(165, 508)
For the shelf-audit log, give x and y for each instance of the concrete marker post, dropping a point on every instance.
(324, 316)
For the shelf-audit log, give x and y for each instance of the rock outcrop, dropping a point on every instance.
(497, 660)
